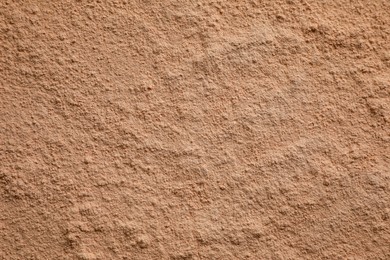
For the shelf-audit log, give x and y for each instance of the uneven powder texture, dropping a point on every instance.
(195, 129)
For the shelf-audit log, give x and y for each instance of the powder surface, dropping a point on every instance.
(195, 129)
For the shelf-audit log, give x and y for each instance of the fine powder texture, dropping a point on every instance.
(220, 129)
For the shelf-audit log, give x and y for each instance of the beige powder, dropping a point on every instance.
(195, 129)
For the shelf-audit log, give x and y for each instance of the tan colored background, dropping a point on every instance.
(195, 129)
